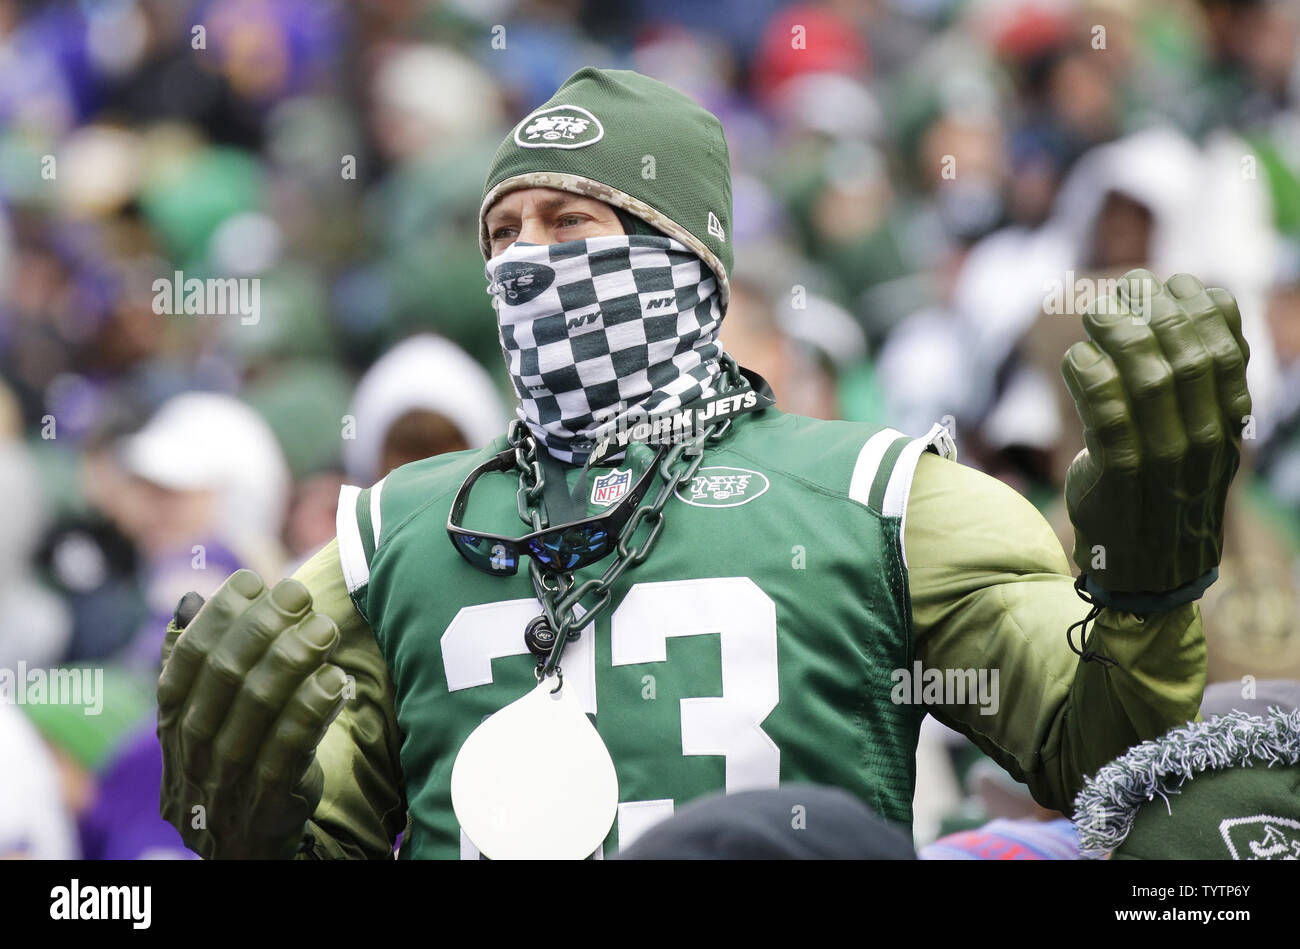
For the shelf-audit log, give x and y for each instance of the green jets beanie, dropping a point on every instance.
(1226, 789)
(634, 143)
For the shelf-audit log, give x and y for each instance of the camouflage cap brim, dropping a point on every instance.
(588, 188)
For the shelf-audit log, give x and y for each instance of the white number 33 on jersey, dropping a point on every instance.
(730, 724)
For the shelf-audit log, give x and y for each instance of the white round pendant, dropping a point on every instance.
(535, 781)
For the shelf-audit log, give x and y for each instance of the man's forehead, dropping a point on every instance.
(543, 198)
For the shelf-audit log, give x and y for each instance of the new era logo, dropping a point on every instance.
(715, 227)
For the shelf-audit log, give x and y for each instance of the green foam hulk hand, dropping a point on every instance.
(1161, 389)
(245, 696)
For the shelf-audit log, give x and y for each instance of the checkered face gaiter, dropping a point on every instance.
(595, 330)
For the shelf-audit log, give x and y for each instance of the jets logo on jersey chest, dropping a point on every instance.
(723, 486)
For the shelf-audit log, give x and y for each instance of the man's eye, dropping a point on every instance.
(570, 220)
(501, 233)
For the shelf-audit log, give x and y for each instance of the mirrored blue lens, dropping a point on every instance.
(568, 550)
(487, 554)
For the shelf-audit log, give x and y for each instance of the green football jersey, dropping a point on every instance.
(754, 646)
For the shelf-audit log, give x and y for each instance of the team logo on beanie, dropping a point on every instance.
(560, 126)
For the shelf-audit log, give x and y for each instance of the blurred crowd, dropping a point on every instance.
(915, 181)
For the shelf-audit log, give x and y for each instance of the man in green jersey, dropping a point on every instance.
(795, 594)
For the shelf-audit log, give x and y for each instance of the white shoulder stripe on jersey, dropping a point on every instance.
(356, 572)
(868, 463)
(375, 491)
(899, 488)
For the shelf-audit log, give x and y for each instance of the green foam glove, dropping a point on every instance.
(245, 696)
(1161, 389)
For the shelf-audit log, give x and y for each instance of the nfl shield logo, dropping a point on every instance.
(609, 489)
